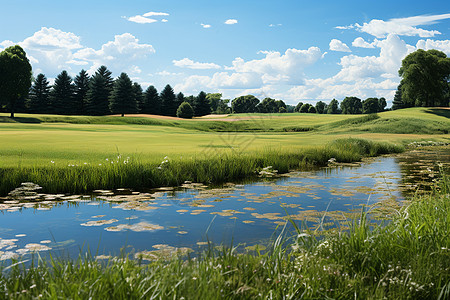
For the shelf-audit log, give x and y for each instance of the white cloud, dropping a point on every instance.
(164, 20)
(337, 45)
(400, 26)
(231, 21)
(152, 13)
(205, 25)
(361, 43)
(5, 44)
(443, 45)
(188, 63)
(141, 20)
(275, 25)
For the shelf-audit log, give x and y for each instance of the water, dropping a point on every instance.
(243, 215)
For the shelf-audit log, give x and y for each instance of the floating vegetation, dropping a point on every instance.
(164, 252)
(182, 232)
(270, 216)
(182, 211)
(99, 257)
(202, 243)
(248, 221)
(138, 227)
(8, 255)
(256, 248)
(197, 211)
(99, 222)
(37, 247)
(136, 205)
(268, 172)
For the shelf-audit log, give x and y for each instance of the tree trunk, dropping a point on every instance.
(12, 115)
(123, 115)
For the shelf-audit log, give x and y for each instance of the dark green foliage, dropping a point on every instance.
(123, 100)
(81, 83)
(201, 105)
(381, 104)
(138, 96)
(370, 106)
(305, 108)
(290, 108)
(214, 100)
(15, 77)
(299, 105)
(185, 111)
(351, 105)
(152, 102)
(244, 104)
(425, 78)
(180, 98)
(333, 107)
(168, 102)
(222, 107)
(100, 88)
(320, 107)
(397, 103)
(282, 109)
(62, 95)
(312, 110)
(38, 101)
(269, 105)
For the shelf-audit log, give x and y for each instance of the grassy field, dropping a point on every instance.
(82, 150)
(407, 258)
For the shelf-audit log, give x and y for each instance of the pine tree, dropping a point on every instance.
(180, 98)
(138, 96)
(152, 102)
(38, 101)
(201, 105)
(61, 95)
(81, 89)
(100, 88)
(123, 100)
(397, 103)
(168, 102)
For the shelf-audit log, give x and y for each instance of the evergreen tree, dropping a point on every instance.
(81, 90)
(138, 96)
(397, 103)
(38, 101)
(100, 88)
(123, 100)
(201, 105)
(168, 102)
(180, 98)
(152, 102)
(333, 107)
(62, 95)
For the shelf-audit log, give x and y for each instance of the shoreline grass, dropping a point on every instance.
(216, 169)
(407, 258)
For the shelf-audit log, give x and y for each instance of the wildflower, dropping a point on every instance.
(52, 161)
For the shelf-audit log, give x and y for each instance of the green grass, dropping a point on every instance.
(407, 258)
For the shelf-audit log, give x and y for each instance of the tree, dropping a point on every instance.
(268, 105)
(100, 88)
(297, 108)
(304, 108)
(15, 76)
(62, 95)
(312, 109)
(123, 100)
(152, 102)
(180, 99)
(222, 107)
(370, 106)
(333, 107)
(38, 101)
(351, 105)
(214, 100)
(185, 111)
(381, 104)
(138, 96)
(81, 83)
(320, 107)
(244, 104)
(425, 78)
(397, 103)
(168, 102)
(201, 105)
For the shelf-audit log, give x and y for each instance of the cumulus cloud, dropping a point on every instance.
(231, 21)
(205, 25)
(188, 63)
(399, 26)
(141, 20)
(361, 43)
(443, 45)
(337, 45)
(152, 13)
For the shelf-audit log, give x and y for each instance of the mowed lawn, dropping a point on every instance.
(52, 141)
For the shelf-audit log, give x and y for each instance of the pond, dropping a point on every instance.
(189, 217)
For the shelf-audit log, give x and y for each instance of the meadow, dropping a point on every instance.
(77, 154)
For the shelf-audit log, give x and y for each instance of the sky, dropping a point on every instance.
(292, 50)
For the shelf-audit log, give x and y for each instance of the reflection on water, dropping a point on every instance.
(168, 221)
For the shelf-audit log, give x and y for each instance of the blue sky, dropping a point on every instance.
(290, 50)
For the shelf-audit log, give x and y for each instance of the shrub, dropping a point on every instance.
(185, 111)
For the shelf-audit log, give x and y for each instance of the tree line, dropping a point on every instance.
(425, 82)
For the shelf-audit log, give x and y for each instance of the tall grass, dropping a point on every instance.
(220, 168)
(407, 258)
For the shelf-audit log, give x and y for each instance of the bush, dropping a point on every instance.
(185, 111)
